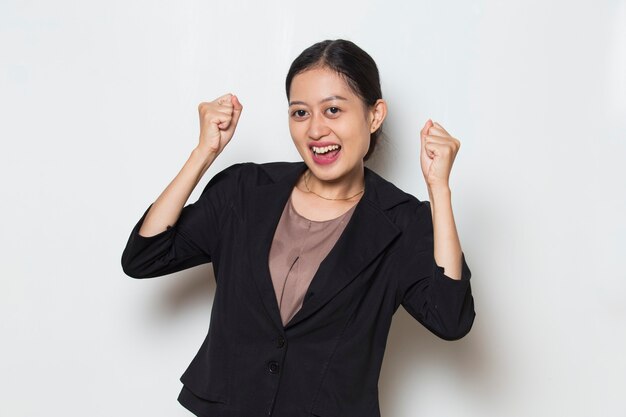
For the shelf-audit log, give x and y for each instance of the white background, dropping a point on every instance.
(98, 112)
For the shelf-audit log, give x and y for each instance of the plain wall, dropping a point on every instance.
(98, 112)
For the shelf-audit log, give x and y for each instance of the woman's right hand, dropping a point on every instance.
(218, 120)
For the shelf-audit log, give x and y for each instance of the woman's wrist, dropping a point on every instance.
(202, 158)
(439, 192)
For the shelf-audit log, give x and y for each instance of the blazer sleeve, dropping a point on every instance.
(191, 240)
(444, 305)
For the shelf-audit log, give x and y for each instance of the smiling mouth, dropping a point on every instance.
(323, 150)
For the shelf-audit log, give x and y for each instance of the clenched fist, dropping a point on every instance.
(438, 151)
(218, 120)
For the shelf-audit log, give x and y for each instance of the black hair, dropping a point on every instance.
(351, 62)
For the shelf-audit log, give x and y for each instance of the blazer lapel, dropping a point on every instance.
(366, 235)
(263, 214)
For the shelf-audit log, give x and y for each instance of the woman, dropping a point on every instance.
(311, 258)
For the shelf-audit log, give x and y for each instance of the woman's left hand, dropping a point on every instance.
(437, 154)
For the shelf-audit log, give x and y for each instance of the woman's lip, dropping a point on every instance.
(327, 158)
(321, 144)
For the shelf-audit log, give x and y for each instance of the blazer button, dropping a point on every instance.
(280, 342)
(273, 367)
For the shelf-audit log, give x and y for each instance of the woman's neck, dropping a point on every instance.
(349, 187)
(326, 200)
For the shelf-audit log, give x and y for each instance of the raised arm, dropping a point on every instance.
(436, 289)
(218, 120)
(438, 151)
(170, 236)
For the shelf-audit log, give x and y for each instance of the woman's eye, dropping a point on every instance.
(299, 113)
(333, 110)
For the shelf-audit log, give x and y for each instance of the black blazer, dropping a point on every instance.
(326, 360)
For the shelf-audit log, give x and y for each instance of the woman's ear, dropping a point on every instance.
(378, 113)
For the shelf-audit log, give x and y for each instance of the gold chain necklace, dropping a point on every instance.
(326, 198)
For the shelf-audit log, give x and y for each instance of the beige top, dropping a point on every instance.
(298, 248)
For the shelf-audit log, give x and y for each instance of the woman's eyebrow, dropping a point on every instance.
(291, 103)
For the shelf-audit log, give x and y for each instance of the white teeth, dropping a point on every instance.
(324, 149)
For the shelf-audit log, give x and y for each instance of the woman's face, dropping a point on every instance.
(329, 124)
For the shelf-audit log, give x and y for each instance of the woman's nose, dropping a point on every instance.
(318, 127)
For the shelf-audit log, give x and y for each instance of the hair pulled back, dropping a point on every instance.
(352, 63)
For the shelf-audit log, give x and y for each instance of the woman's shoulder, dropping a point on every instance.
(398, 205)
(260, 173)
(279, 169)
(388, 195)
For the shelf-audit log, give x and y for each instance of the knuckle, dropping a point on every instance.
(204, 108)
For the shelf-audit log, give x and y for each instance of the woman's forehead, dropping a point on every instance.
(319, 84)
